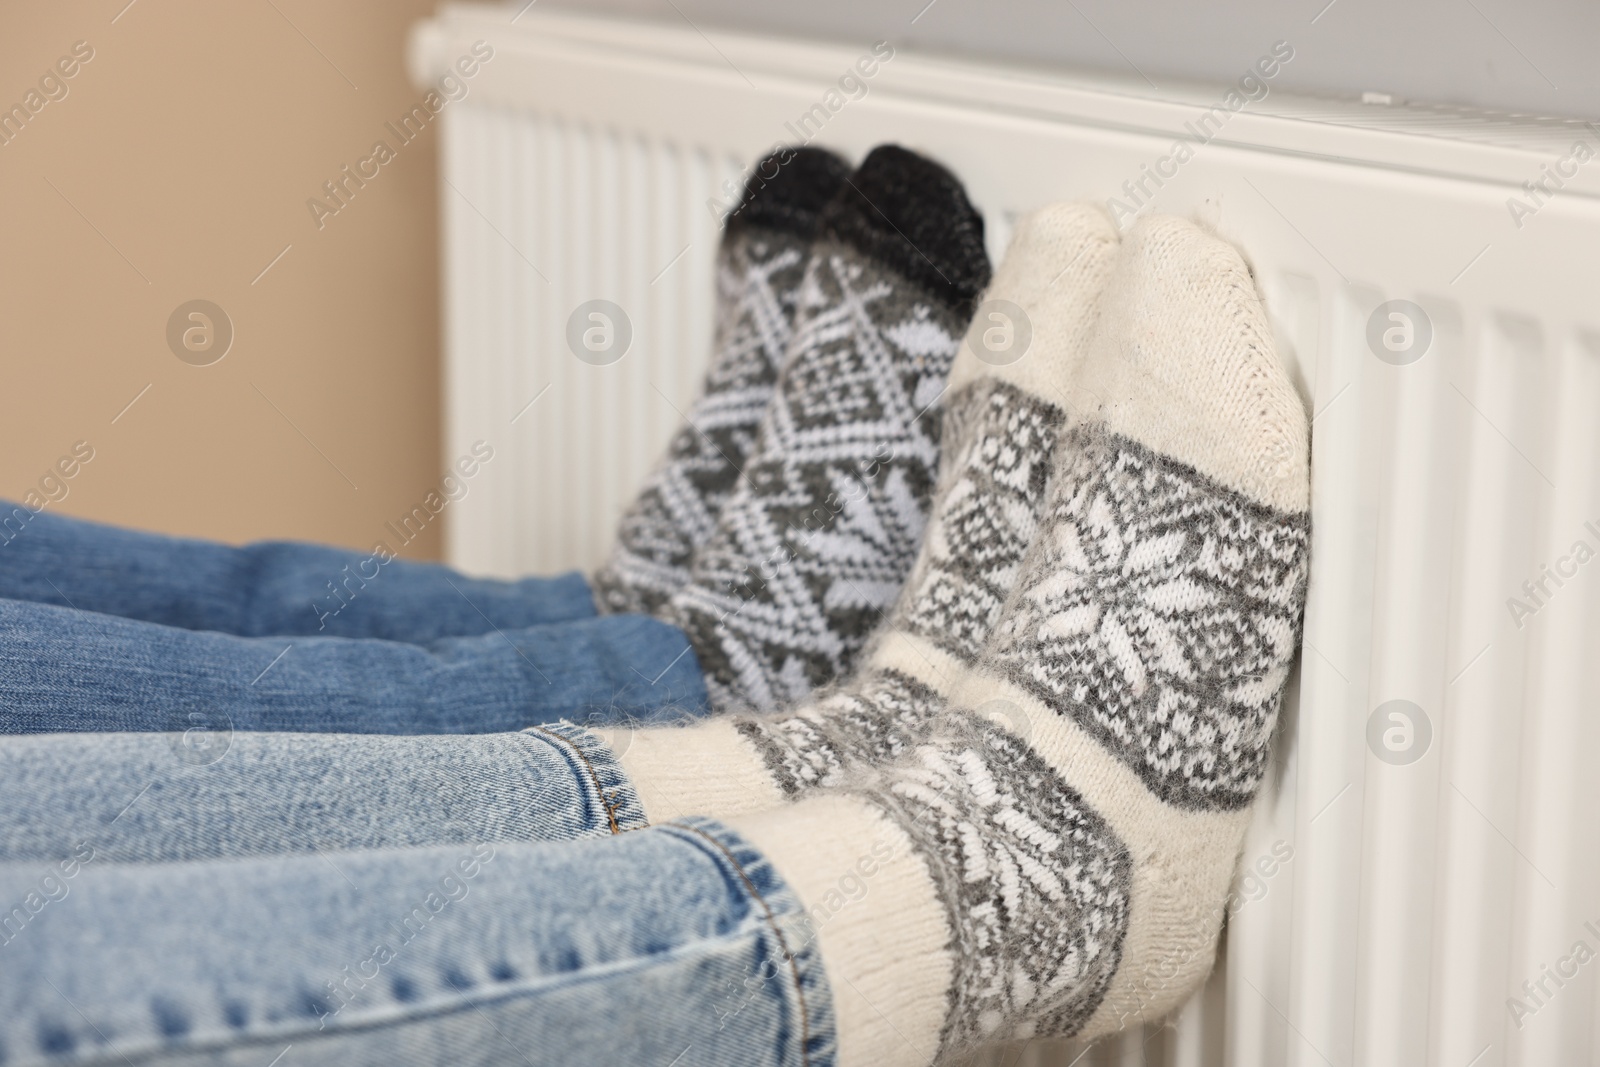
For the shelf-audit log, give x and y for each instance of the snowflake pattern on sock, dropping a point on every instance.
(1036, 886)
(817, 539)
(758, 279)
(999, 443)
(1161, 615)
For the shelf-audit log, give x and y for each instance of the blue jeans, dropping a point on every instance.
(202, 795)
(673, 945)
(159, 633)
(266, 589)
(220, 896)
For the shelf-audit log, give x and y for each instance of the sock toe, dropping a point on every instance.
(1033, 325)
(912, 215)
(1185, 364)
(788, 191)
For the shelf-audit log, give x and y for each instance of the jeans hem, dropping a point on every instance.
(789, 924)
(603, 773)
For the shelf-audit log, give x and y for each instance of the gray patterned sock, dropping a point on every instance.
(759, 268)
(823, 526)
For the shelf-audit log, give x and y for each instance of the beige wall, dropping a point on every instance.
(177, 166)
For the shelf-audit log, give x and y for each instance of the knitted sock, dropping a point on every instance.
(1003, 413)
(1062, 868)
(824, 524)
(759, 268)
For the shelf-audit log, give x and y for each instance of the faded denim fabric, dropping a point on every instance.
(105, 629)
(673, 945)
(63, 670)
(145, 798)
(267, 588)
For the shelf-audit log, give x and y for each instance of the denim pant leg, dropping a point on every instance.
(267, 588)
(632, 949)
(146, 798)
(66, 671)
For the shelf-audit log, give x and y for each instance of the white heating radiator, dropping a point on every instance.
(1442, 849)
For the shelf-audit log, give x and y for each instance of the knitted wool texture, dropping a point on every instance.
(759, 268)
(1076, 832)
(1006, 413)
(1002, 419)
(816, 540)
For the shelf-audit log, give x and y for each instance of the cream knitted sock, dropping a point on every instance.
(1004, 411)
(1062, 869)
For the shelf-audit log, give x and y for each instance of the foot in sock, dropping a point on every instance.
(759, 268)
(1064, 871)
(1002, 418)
(820, 532)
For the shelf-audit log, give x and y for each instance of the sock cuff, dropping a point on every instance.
(871, 906)
(694, 770)
(912, 215)
(788, 190)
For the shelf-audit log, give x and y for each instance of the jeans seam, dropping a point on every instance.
(777, 931)
(594, 777)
